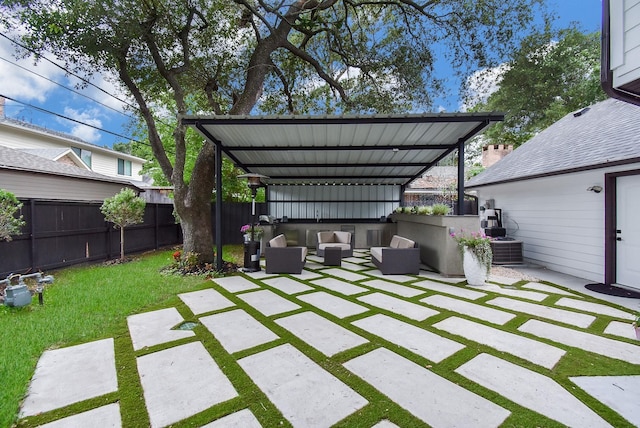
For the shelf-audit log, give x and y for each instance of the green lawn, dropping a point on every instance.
(85, 303)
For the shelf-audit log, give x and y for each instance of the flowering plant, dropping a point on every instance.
(477, 243)
(247, 228)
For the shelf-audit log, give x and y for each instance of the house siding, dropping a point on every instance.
(44, 186)
(561, 224)
(625, 31)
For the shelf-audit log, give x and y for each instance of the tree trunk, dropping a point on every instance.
(122, 243)
(197, 232)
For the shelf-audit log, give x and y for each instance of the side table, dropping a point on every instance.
(333, 256)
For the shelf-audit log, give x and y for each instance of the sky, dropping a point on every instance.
(43, 86)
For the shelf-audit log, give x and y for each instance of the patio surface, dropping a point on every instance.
(350, 346)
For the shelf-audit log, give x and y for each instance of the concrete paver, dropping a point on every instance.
(523, 294)
(396, 278)
(434, 275)
(324, 335)
(180, 382)
(417, 340)
(235, 284)
(306, 275)
(536, 286)
(342, 287)
(399, 306)
(287, 285)
(493, 316)
(431, 398)
(109, 417)
(341, 273)
(305, 393)
(502, 279)
(155, 328)
(618, 392)
(464, 292)
(587, 341)
(242, 419)
(70, 375)
(622, 329)
(390, 287)
(531, 350)
(555, 314)
(237, 330)
(595, 308)
(268, 303)
(355, 267)
(336, 306)
(207, 300)
(530, 389)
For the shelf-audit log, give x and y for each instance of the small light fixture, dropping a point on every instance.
(595, 189)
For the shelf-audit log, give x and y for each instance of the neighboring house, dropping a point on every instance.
(33, 177)
(572, 194)
(20, 135)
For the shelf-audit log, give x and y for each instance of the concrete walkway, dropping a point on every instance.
(333, 345)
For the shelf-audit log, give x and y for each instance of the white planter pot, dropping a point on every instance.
(637, 329)
(474, 272)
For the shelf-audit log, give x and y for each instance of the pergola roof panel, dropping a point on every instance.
(378, 149)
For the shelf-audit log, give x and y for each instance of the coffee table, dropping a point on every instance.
(333, 256)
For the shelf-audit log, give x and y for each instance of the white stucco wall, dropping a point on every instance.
(560, 223)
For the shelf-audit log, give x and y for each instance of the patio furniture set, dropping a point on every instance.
(401, 256)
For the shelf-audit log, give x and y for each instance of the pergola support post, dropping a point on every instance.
(461, 177)
(218, 219)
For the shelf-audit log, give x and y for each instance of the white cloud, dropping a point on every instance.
(84, 132)
(481, 84)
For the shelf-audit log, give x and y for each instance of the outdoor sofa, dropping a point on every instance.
(335, 239)
(402, 256)
(279, 258)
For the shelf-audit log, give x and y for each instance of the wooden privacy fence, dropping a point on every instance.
(61, 233)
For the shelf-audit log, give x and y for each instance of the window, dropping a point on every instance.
(83, 154)
(124, 167)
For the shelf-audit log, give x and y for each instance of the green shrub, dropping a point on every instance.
(440, 209)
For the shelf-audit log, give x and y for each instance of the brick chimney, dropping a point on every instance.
(492, 153)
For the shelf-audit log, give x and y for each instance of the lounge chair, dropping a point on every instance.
(402, 256)
(335, 239)
(279, 258)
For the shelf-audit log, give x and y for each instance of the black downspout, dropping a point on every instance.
(461, 177)
(218, 208)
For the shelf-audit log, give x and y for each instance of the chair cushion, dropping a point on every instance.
(324, 237)
(342, 237)
(334, 244)
(376, 252)
(400, 242)
(304, 253)
(279, 241)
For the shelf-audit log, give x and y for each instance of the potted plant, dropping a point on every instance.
(475, 248)
(247, 230)
(636, 326)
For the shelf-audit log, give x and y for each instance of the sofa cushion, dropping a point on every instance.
(324, 237)
(334, 244)
(279, 241)
(400, 242)
(376, 252)
(342, 237)
(304, 253)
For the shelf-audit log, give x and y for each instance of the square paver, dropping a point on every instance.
(109, 417)
(333, 305)
(324, 335)
(491, 315)
(596, 308)
(339, 286)
(69, 375)
(190, 374)
(417, 340)
(528, 349)
(202, 301)
(304, 392)
(464, 292)
(399, 306)
(431, 398)
(268, 303)
(587, 341)
(237, 330)
(154, 328)
(390, 287)
(235, 284)
(287, 285)
(531, 390)
(541, 311)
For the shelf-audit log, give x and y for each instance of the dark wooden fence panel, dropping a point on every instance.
(59, 234)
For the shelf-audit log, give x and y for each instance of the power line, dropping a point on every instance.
(72, 120)
(65, 87)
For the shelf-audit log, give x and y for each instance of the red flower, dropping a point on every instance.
(176, 255)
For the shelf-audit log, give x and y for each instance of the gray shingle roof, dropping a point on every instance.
(51, 154)
(20, 161)
(608, 132)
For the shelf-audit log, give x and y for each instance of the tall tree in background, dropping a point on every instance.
(244, 56)
(552, 74)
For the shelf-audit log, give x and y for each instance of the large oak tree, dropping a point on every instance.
(247, 56)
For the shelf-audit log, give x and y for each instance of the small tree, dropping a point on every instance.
(123, 209)
(9, 223)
